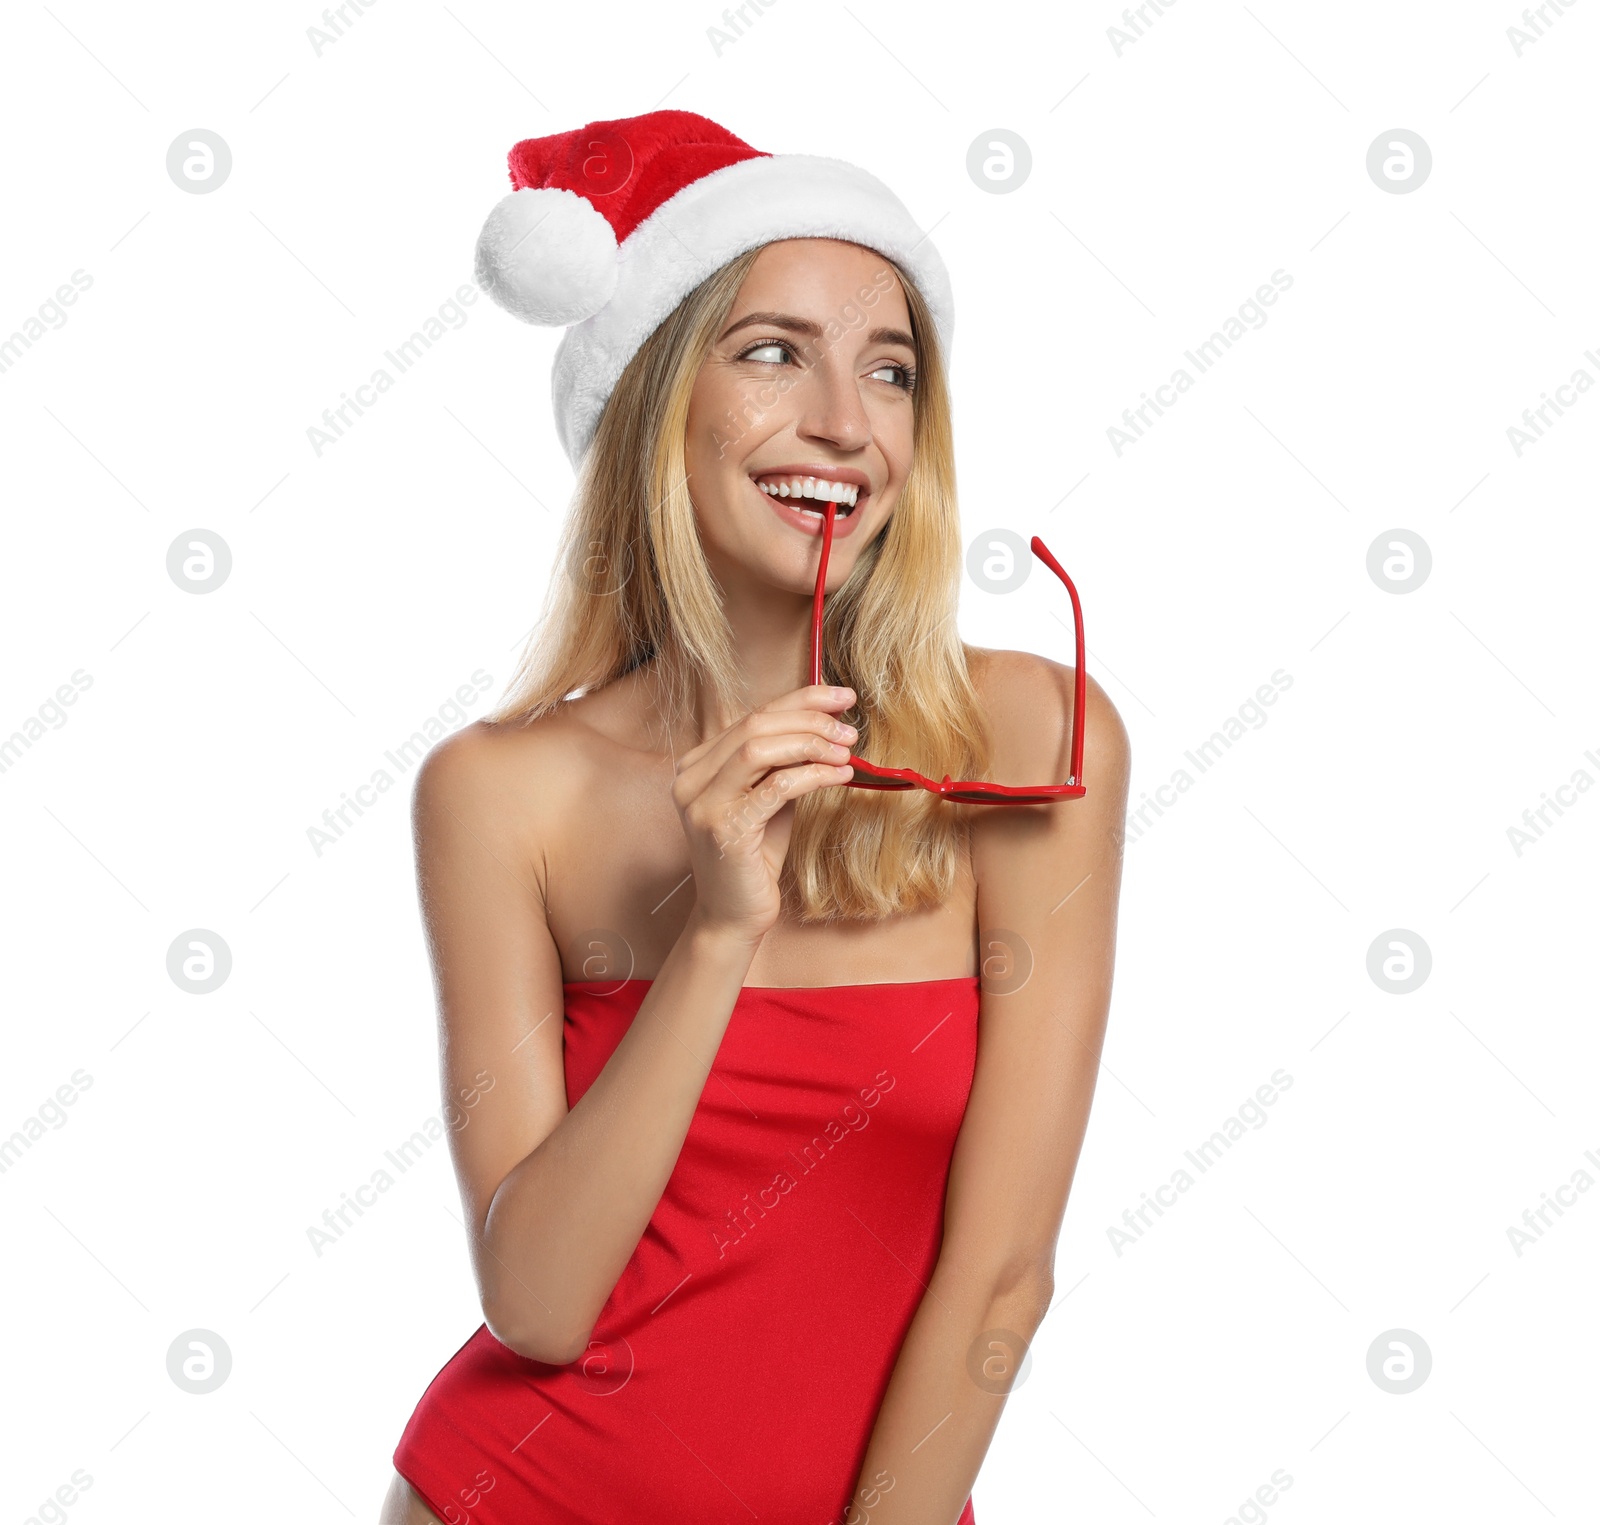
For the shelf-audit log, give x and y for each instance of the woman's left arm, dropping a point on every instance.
(1048, 882)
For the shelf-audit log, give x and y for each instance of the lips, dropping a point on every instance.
(811, 523)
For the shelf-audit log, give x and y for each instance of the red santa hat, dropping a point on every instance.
(610, 226)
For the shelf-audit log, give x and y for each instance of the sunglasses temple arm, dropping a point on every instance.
(816, 598)
(1080, 683)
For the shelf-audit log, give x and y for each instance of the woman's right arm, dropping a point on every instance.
(558, 1199)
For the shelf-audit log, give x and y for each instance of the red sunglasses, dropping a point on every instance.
(871, 776)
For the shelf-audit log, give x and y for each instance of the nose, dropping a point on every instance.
(832, 410)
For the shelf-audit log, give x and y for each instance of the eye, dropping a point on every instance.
(773, 346)
(907, 378)
(780, 352)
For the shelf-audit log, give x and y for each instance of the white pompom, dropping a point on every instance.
(547, 257)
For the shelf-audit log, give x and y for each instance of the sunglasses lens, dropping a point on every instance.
(970, 794)
(992, 797)
(866, 780)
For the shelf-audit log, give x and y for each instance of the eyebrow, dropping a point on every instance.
(812, 330)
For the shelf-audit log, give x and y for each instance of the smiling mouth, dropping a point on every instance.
(807, 494)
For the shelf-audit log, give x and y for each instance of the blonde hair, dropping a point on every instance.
(634, 589)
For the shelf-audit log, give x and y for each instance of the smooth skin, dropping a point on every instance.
(530, 838)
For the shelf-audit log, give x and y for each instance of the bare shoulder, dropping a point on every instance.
(1028, 701)
(484, 767)
(516, 780)
(523, 779)
(1031, 856)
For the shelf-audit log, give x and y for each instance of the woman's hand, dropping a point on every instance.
(732, 794)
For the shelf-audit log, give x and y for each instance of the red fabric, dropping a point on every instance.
(628, 167)
(738, 1365)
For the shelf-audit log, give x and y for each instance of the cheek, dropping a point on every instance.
(702, 403)
(718, 398)
(894, 428)
(706, 429)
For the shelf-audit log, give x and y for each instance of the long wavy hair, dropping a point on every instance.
(633, 590)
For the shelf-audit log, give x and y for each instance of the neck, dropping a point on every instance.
(771, 639)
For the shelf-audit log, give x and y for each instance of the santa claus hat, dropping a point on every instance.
(610, 226)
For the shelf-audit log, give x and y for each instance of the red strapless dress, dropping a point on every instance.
(737, 1368)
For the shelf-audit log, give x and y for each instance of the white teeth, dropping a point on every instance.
(843, 493)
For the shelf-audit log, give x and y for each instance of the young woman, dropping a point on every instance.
(766, 1091)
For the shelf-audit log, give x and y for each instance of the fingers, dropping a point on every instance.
(757, 756)
(752, 810)
(756, 760)
(817, 697)
(782, 732)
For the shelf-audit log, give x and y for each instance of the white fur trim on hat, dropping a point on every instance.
(547, 256)
(702, 227)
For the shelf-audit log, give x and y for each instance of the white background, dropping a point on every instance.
(1169, 180)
